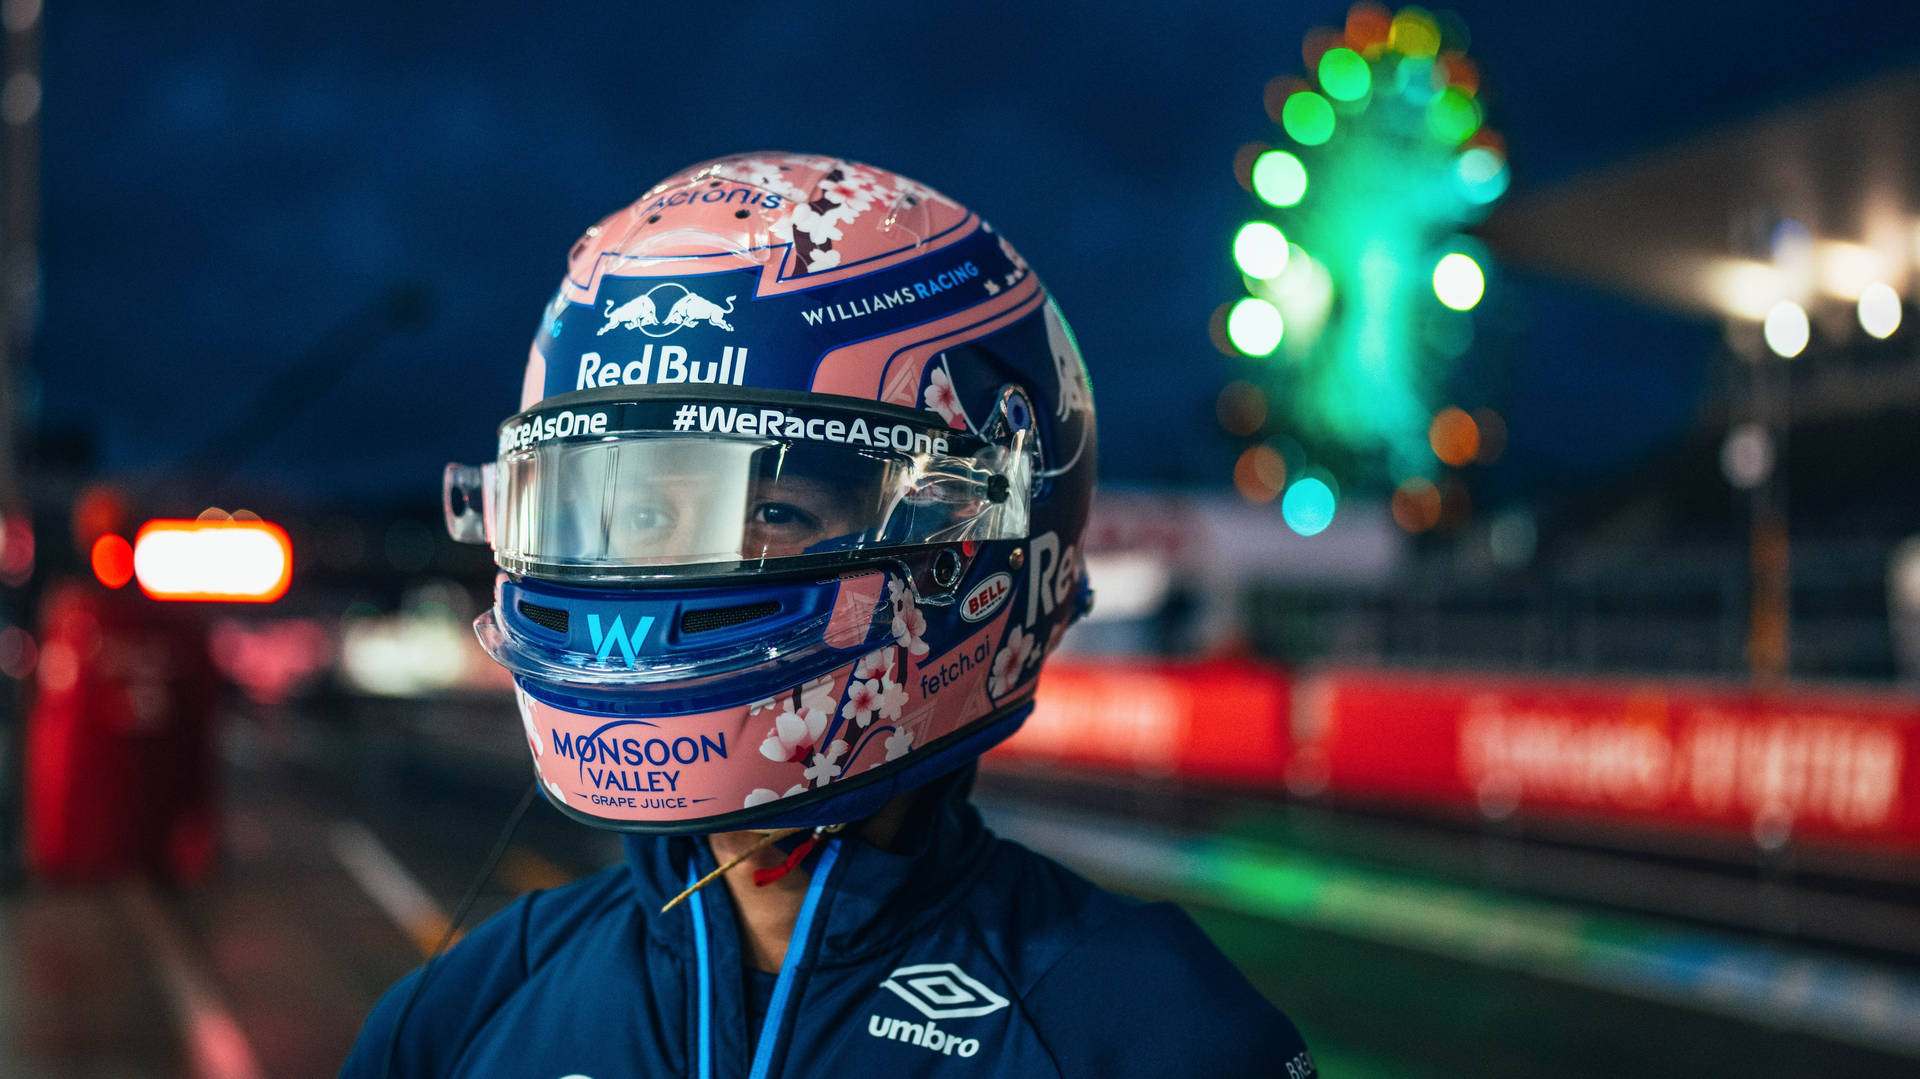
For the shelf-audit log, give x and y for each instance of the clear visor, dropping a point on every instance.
(633, 504)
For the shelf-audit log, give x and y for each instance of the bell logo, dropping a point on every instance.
(616, 634)
(986, 597)
(943, 991)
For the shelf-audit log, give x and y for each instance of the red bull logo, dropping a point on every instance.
(687, 308)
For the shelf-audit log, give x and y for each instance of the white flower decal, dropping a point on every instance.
(941, 397)
(877, 664)
(825, 766)
(899, 595)
(822, 259)
(761, 795)
(862, 699)
(1012, 660)
(909, 626)
(893, 697)
(758, 707)
(794, 734)
(898, 743)
(818, 694)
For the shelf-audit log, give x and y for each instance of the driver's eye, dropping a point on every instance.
(649, 518)
(784, 515)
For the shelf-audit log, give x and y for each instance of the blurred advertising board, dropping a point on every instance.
(1767, 765)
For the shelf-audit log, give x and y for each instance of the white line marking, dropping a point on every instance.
(216, 1046)
(378, 873)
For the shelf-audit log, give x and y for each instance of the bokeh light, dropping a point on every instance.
(112, 558)
(1458, 282)
(1255, 327)
(1279, 178)
(1879, 310)
(1414, 33)
(1309, 506)
(1241, 408)
(1260, 250)
(1416, 505)
(1308, 118)
(1244, 160)
(1368, 28)
(1786, 329)
(1482, 174)
(1260, 474)
(1344, 75)
(1454, 436)
(1452, 117)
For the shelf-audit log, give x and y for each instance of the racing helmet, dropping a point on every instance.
(792, 510)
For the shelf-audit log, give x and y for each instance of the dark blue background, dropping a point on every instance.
(226, 181)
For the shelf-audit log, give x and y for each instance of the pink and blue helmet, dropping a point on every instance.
(792, 511)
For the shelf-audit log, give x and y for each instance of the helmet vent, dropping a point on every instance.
(723, 617)
(553, 618)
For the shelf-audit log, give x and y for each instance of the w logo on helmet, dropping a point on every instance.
(616, 634)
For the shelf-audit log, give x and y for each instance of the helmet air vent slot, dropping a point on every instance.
(553, 618)
(712, 618)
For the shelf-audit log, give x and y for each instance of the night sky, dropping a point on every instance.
(227, 182)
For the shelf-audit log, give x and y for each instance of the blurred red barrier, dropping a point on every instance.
(1764, 763)
(119, 757)
(1217, 720)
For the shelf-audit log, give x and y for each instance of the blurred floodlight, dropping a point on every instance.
(1458, 282)
(1260, 250)
(1746, 457)
(1847, 269)
(218, 561)
(1133, 584)
(1279, 178)
(1308, 506)
(1879, 310)
(1254, 326)
(1786, 329)
(1744, 288)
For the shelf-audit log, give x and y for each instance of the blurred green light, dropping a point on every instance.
(1308, 506)
(1260, 250)
(1308, 117)
(1452, 117)
(1458, 282)
(1482, 174)
(1279, 178)
(1254, 326)
(1344, 75)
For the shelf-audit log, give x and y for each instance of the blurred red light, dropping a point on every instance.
(112, 560)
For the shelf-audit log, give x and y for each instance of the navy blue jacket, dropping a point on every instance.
(966, 956)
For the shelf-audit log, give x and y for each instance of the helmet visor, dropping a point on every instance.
(608, 492)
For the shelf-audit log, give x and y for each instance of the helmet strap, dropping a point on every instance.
(762, 877)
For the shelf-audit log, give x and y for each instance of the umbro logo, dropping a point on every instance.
(937, 991)
(943, 991)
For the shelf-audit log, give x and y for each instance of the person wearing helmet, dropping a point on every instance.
(787, 524)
